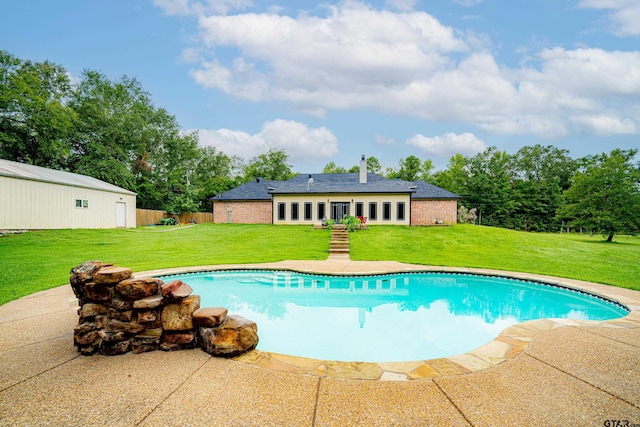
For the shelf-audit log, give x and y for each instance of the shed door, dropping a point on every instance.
(121, 214)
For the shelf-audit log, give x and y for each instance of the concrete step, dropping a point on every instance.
(341, 235)
(338, 245)
(339, 251)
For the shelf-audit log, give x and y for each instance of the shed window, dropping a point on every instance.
(281, 211)
(83, 204)
(400, 211)
(373, 211)
(295, 214)
(386, 211)
(308, 214)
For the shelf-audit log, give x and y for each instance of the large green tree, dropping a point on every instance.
(331, 167)
(272, 166)
(488, 188)
(604, 196)
(35, 122)
(122, 138)
(540, 174)
(455, 177)
(410, 169)
(215, 173)
(108, 129)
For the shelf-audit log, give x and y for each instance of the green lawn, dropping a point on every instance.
(40, 260)
(574, 256)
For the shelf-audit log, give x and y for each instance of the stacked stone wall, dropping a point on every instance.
(119, 313)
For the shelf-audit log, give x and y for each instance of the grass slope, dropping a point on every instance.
(40, 260)
(574, 256)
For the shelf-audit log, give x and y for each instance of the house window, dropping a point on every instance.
(281, 211)
(386, 211)
(373, 211)
(321, 211)
(308, 208)
(400, 211)
(359, 209)
(295, 214)
(83, 204)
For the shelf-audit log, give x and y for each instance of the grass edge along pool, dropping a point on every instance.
(388, 317)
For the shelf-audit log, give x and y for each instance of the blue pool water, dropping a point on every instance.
(394, 317)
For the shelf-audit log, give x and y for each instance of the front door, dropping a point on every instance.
(339, 210)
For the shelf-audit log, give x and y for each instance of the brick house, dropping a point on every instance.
(312, 198)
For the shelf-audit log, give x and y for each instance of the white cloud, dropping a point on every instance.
(233, 142)
(299, 141)
(448, 144)
(408, 63)
(308, 58)
(604, 124)
(624, 15)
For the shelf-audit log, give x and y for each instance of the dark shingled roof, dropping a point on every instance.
(258, 189)
(340, 183)
(334, 183)
(424, 190)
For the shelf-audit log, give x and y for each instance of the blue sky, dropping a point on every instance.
(329, 81)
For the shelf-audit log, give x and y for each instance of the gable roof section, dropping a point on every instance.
(340, 183)
(258, 189)
(424, 190)
(334, 183)
(52, 176)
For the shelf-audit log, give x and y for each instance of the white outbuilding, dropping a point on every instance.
(34, 198)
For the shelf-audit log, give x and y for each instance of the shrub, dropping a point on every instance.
(466, 216)
(351, 222)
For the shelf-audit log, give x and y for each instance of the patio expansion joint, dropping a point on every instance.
(65, 335)
(35, 316)
(433, 380)
(587, 330)
(582, 380)
(174, 391)
(40, 373)
(315, 402)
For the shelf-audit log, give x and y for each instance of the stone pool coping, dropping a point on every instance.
(507, 345)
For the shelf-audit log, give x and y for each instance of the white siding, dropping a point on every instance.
(352, 199)
(28, 204)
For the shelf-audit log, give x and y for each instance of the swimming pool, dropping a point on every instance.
(390, 317)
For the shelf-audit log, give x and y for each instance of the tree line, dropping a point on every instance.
(110, 130)
(539, 188)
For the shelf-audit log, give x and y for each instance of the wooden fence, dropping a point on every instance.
(148, 216)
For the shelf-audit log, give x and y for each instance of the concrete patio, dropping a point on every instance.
(568, 373)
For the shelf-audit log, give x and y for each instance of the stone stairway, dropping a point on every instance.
(339, 245)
